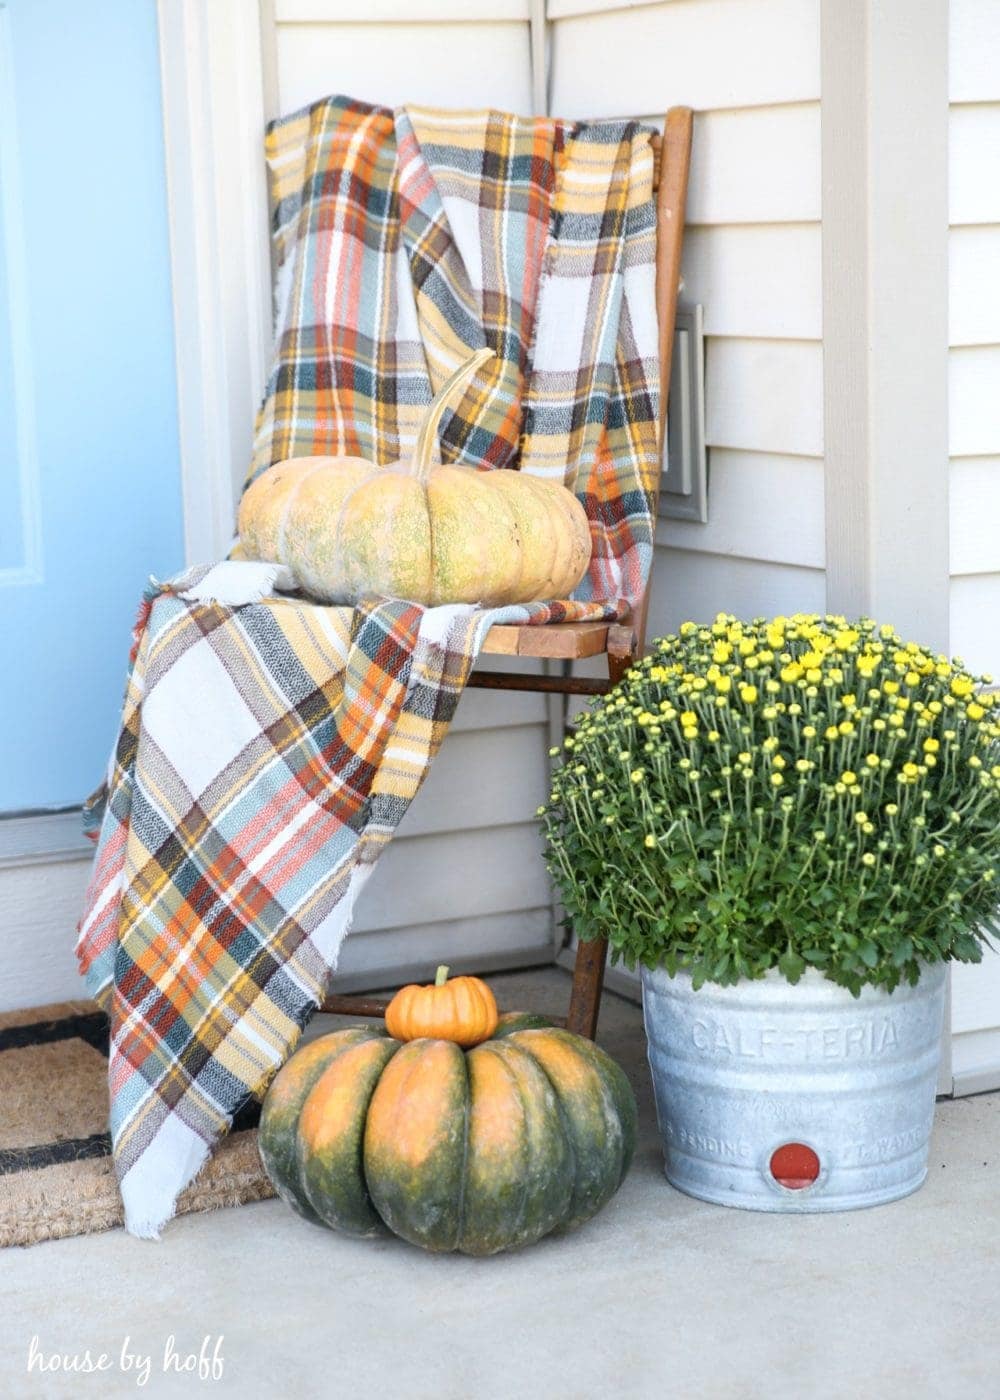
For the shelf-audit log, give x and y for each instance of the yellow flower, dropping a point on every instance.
(777, 761)
(911, 770)
(769, 712)
(845, 639)
(871, 759)
(890, 687)
(776, 780)
(747, 646)
(690, 732)
(868, 859)
(686, 628)
(845, 727)
(975, 711)
(813, 675)
(831, 732)
(931, 745)
(748, 694)
(791, 673)
(808, 731)
(961, 686)
(721, 652)
(650, 842)
(637, 775)
(688, 717)
(712, 736)
(848, 778)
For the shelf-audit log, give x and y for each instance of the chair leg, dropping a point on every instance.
(588, 982)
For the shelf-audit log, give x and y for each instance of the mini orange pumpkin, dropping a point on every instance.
(463, 1010)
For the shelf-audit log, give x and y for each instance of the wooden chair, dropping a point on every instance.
(620, 642)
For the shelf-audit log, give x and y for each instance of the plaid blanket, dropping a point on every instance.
(269, 746)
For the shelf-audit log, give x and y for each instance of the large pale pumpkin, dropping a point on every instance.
(417, 530)
(530, 1132)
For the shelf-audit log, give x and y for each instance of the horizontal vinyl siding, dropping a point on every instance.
(974, 332)
(974, 416)
(449, 55)
(706, 54)
(463, 882)
(752, 259)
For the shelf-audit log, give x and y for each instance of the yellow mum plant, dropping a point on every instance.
(792, 792)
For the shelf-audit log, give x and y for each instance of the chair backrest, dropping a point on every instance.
(673, 155)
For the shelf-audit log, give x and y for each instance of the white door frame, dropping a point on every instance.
(213, 73)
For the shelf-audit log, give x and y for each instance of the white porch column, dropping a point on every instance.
(885, 318)
(885, 310)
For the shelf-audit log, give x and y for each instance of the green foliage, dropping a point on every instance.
(799, 792)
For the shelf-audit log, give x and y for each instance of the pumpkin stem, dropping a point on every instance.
(423, 453)
(442, 976)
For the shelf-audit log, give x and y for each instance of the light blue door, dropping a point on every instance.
(89, 477)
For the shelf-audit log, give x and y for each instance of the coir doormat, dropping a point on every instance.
(56, 1176)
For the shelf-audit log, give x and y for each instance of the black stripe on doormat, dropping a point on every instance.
(52, 1154)
(91, 1026)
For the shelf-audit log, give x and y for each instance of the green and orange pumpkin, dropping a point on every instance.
(531, 1131)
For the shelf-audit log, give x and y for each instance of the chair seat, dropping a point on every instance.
(556, 640)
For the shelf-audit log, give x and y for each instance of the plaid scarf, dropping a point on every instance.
(269, 746)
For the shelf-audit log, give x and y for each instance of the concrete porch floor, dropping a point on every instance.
(659, 1296)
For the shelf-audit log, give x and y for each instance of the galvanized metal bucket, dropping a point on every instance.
(804, 1098)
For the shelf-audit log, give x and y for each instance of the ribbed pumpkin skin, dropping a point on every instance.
(348, 528)
(330, 1138)
(528, 1133)
(277, 1136)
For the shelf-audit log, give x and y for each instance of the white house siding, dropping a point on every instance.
(974, 390)
(464, 877)
(750, 68)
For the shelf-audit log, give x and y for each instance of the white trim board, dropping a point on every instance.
(885, 311)
(212, 74)
(43, 838)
